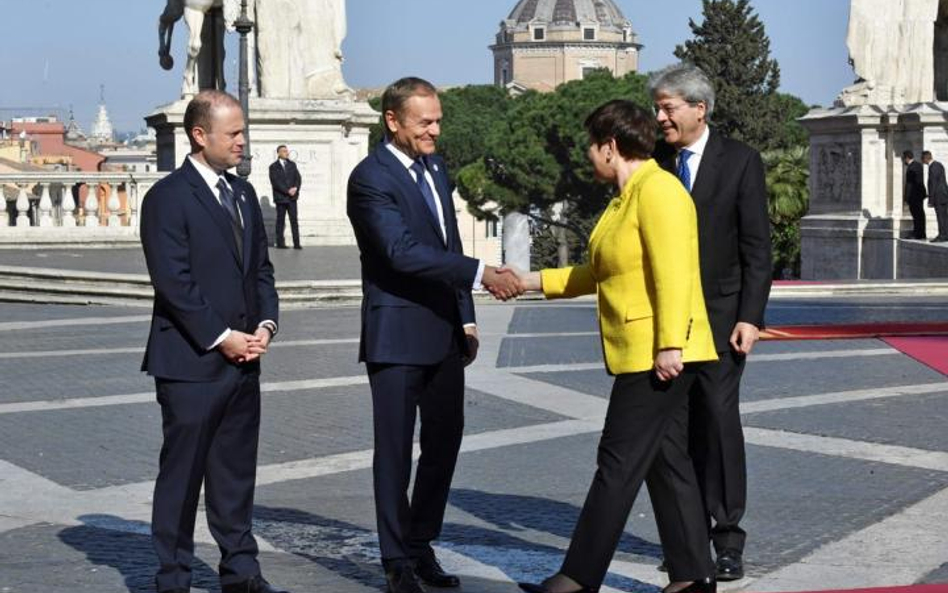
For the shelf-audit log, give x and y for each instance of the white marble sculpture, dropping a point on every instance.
(205, 64)
(299, 49)
(892, 49)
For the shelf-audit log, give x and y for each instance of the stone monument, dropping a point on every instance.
(857, 218)
(298, 98)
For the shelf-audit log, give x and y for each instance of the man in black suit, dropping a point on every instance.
(937, 196)
(726, 180)
(214, 314)
(285, 180)
(914, 193)
(418, 327)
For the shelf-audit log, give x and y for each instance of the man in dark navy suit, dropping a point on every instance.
(285, 181)
(418, 327)
(215, 312)
(726, 180)
(914, 193)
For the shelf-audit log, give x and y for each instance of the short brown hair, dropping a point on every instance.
(198, 113)
(634, 129)
(400, 91)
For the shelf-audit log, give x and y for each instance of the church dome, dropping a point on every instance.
(605, 13)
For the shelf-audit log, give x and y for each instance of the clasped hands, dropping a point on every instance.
(507, 282)
(239, 347)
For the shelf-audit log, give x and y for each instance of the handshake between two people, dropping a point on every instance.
(508, 282)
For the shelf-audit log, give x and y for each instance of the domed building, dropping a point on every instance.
(544, 43)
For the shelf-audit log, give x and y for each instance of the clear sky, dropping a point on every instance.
(56, 53)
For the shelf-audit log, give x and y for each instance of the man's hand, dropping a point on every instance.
(744, 336)
(668, 364)
(473, 343)
(292, 191)
(239, 347)
(502, 283)
(528, 280)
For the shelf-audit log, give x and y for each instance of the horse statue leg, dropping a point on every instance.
(173, 11)
(195, 21)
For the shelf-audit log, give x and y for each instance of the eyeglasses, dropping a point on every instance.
(670, 110)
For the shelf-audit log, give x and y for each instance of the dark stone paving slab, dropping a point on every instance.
(788, 346)
(120, 558)
(917, 421)
(775, 379)
(312, 263)
(553, 318)
(515, 352)
(855, 310)
(30, 312)
(115, 445)
(936, 576)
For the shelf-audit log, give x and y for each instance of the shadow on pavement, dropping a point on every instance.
(124, 545)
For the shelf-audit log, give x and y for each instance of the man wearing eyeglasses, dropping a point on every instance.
(726, 181)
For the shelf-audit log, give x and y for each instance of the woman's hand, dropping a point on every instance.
(528, 280)
(668, 364)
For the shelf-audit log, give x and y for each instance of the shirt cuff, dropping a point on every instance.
(477, 277)
(467, 325)
(220, 339)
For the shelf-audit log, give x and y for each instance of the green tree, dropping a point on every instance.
(732, 47)
(788, 174)
(535, 161)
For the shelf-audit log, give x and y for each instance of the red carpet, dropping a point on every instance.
(909, 589)
(853, 331)
(928, 350)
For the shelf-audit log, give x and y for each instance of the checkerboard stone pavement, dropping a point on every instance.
(848, 463)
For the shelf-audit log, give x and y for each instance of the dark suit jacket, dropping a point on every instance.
(937, 186)
(914, 182)
(416, 287)
(733, 233)
(201, 286)
(282, 180)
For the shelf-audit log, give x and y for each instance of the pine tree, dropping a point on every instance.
(731, 46)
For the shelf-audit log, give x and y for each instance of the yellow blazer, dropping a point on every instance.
(643, 261)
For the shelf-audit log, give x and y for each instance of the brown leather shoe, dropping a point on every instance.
(430, 571)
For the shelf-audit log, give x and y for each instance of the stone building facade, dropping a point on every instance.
(544, 43)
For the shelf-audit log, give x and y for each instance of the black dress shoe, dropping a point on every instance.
(539, 588)
(707, 585)
(175, 591)
(256, 584)
(730, 566)
(430, 571)
(297, 247)
(282, 247)
(402, 579)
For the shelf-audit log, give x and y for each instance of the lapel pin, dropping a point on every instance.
(435, 167)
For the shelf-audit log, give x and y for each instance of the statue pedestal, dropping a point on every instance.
(857, 215)
(326, 138)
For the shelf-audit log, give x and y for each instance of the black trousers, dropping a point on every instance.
(210, 436)
(917, 209)
(717, 448)
(284, 208)
(941, 213)
(645, 438)
(399, 392)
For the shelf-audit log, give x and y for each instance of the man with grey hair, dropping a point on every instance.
(726, 181)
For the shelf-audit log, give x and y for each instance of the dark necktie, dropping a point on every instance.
(684, 171)
(230, 205)
(419, 168)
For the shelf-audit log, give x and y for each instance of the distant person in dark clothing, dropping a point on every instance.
(285, 180)
(914, 194)
(937, 196)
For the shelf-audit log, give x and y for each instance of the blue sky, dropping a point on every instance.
(53, 56)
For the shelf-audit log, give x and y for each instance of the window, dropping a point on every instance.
(491, 229)
(589, 34)
(539, 34)
(587, 70)
(503, 77)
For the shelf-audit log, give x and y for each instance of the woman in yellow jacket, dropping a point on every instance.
(643, 265)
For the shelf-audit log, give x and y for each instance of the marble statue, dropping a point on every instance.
(894, 51)
(206, 20)
(299, 49)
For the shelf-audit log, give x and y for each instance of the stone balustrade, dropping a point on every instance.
(72, 206)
